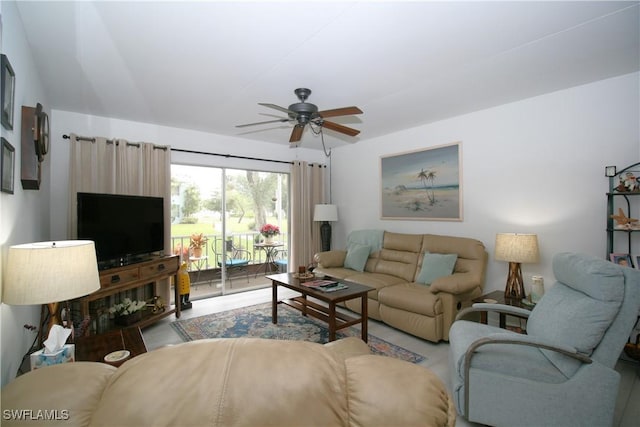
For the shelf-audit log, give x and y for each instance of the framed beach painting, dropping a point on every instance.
(422, 185)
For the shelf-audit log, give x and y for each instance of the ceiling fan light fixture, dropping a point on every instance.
(304, 113)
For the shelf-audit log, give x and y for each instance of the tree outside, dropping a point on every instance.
(191, 203)
(253, 199)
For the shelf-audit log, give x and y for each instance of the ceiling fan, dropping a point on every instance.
(303, 113)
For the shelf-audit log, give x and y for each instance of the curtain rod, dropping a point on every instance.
(232, 156)
(113, 141)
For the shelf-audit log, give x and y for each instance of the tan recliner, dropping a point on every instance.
(237, 382)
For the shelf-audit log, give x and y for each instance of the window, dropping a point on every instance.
(228, 207)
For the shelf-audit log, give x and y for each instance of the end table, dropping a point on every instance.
(94, 347)
(499, 297)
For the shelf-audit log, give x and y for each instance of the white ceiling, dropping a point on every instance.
(206, 65)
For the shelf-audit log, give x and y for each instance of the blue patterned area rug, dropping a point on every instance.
(255, 321)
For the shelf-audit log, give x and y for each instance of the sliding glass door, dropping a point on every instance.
(217, 217)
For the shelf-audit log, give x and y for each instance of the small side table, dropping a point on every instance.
(499, 297)
(199, 263)
(94, 347)
(270, 255)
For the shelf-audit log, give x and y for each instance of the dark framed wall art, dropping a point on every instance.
(7, 167)
(423, 184)
(8, 92)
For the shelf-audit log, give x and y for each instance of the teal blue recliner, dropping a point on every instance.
(561, 373)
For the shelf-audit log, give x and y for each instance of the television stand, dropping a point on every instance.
(156, 271)
(124, 261)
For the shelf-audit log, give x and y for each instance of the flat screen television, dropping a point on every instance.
(124, 228)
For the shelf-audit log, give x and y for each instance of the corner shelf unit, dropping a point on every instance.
(617, 191)
(142, 280)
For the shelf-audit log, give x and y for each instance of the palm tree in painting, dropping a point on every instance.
(428, 177)
(422, 176)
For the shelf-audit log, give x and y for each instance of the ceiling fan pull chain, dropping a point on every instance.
(323, 146)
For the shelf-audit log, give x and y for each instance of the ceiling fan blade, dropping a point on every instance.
(296, 134)
(264, 123)
(277, 107)
(345, 111)
(339, 128)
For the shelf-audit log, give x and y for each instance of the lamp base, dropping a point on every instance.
(325, 236)
(53, 313)
(515, 285)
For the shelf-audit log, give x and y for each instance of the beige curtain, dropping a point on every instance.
(99, 165)
(308, 188)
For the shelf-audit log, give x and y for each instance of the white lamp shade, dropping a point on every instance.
(47, 272)
(325, 213)
(514, 247)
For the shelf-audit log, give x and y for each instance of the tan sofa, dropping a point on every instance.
(235, 382)
(426, 311)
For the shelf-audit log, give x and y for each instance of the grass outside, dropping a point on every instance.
(210, 226)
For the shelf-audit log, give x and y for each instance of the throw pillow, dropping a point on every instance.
(357, 256)
(435, 266)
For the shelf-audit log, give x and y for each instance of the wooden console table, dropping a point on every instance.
(156, 272)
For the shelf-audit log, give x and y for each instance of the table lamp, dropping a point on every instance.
(49, 273)
(516, 249)
(325, 213)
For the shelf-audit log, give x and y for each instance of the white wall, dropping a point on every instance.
(531, 166)
(24, 214)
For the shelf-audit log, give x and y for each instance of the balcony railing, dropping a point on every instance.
(246, 241)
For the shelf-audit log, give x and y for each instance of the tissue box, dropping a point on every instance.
(66, 354)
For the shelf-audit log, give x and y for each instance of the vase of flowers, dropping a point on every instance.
(128, 311)
(198, 241)
(268, 231)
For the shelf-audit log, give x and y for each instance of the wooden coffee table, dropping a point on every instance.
(335, 319)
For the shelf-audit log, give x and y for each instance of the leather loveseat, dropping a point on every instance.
(413, 292)
(234, 382)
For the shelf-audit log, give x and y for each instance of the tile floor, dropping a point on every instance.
(161, 333)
